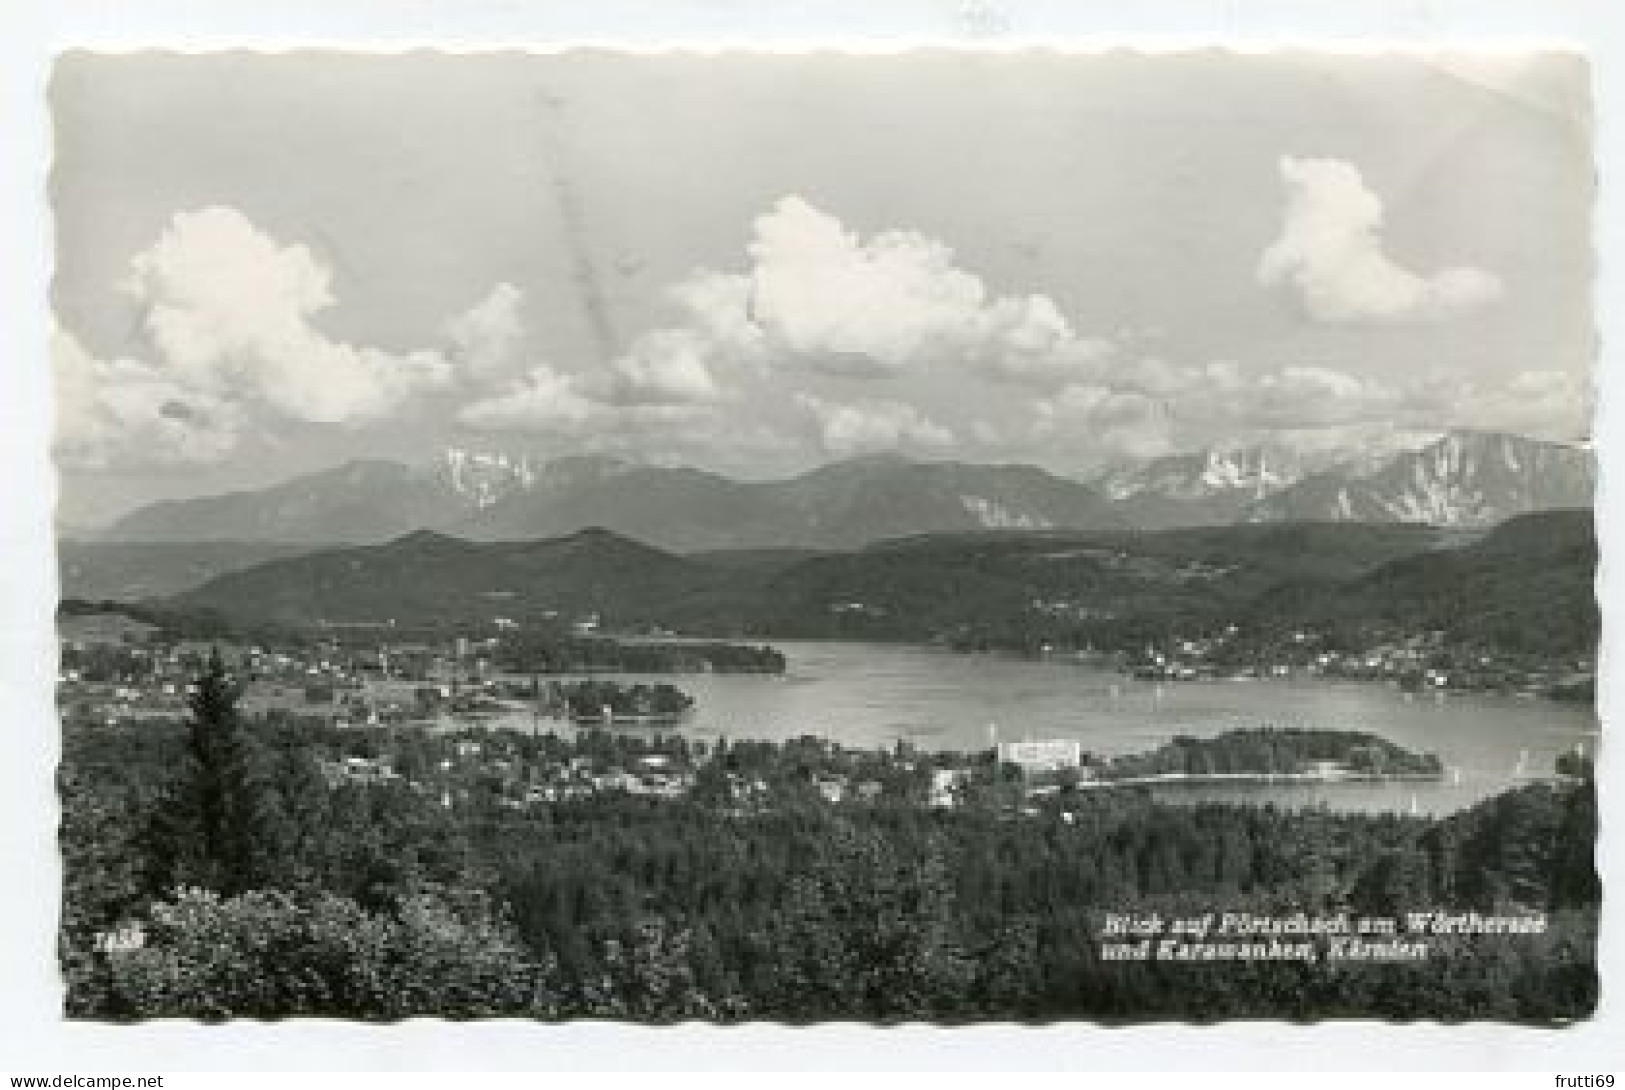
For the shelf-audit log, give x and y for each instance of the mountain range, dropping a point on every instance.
(1462, 479)
(841, 505)
(1202, 487)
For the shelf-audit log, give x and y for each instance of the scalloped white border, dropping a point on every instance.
(33, 1040)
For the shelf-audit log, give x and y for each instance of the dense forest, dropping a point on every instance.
(1275, 751)
(185, 623)
(233, 867)
(544, 652)
(612, 700)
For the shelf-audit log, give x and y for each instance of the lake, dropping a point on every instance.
(870, 695)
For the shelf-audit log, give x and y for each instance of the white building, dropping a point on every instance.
(1047, 756)
(944, 783)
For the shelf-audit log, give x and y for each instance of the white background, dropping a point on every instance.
(33, 1039)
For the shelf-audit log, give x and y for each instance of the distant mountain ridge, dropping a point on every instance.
(1201, 487)
(856, 502)
(1462, 479)
(363, 500)
(491, 498)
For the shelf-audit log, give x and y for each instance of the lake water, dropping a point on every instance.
(870, 695)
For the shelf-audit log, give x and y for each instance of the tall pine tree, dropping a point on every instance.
(221, 787)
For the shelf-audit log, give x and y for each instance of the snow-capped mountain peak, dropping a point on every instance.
(994, 515)
(1464, 478)
(1201, 487)
(1255, 471)
(484, 477)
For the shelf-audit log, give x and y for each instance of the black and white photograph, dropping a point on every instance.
(944, 536)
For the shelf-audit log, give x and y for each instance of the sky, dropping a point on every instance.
(756, 263)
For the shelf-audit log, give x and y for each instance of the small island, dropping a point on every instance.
(609, 702)
(1274, 753)
(535, 652)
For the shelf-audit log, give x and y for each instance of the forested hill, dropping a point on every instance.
(1526, 586)
(1526, 583)
(891, 590)
(1020, 590)
(132, 571)
(427, 578)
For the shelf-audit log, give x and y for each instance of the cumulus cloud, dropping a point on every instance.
(1035, 345)
(1550, 404)
(827, 295)
(1105, 421)
(718, 308)
(668, 366)
(1157, 407)
(557, 413)
(1331, 253)
(663, 380)
(228, 319)
(619, 412)
(232, 347)
(819, 296)
(121, 413)
(871, 425)
(543, 400)
(1291, 396)
(677, 364)
(487, 341)
(815, 298)
(230, 309)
